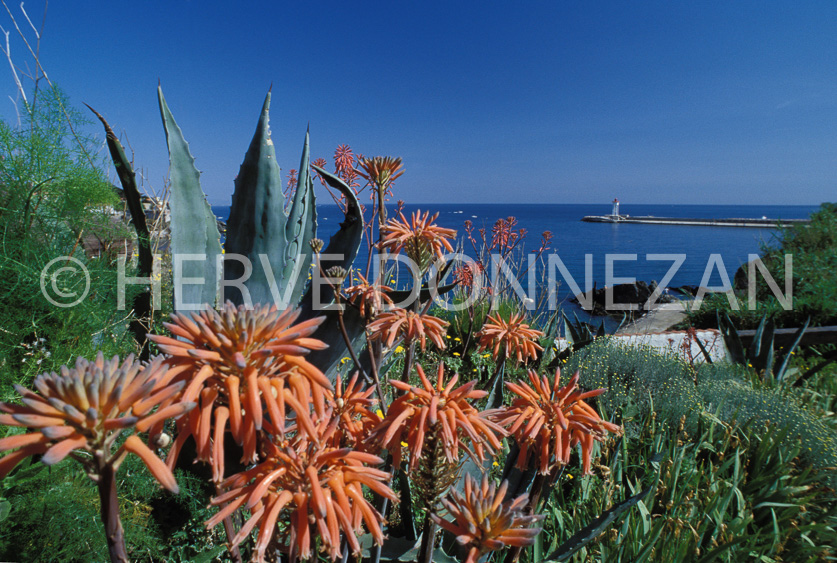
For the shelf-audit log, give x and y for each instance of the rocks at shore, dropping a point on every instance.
(627, 298)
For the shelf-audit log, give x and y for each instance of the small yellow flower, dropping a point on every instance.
(457, 339)
(456, 353)
(380, 414)
(344, 360)
(399, 349)
(495, 464)
(404, 444)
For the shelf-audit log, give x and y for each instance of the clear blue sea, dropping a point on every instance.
(573, 239)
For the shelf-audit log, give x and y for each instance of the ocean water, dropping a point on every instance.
(705, 251)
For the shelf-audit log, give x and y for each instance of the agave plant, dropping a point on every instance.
(760, 354)
(83, 412)
(266, 256)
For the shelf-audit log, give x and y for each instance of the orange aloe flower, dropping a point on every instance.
(511, 338)
(548, 420)
(409, 324)
(352, 408)
(314, 488)
(87, 408)
(437, 413)
(483, 522)
(368, 297)
(344, 158)
(419, 239)
(380, 170)
(239, 364)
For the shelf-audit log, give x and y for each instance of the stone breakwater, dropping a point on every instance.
(763, 223)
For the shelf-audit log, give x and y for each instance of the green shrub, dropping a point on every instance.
(814, 251)
(637, 378)
(51, 195)
(641, 381)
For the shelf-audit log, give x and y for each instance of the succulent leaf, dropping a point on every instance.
(194, 228)
(300, 228)
(256, 227)
(344, 243)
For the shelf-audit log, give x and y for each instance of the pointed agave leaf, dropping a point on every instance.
(755, 346)
(520, 480)
(194, 229)
(583, 329)
(782, 367)
(256, 227)
(495, 389)
(731, 339)
(328, 360)
(343, 246)
(570, 332)
(757, 353)
(300, 228)
(594, 528)
(133, 197)
(142, 302)
(764, 359)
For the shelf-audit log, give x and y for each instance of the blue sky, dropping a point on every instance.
(559, 102)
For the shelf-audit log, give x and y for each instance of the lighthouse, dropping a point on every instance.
(615, 208)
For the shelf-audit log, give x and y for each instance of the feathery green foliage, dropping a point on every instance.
(51, 195)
